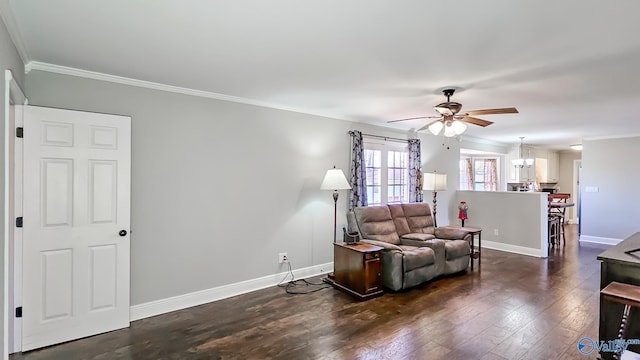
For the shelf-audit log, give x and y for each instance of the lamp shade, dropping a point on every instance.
(334, 179)
(435, 182)
(458, 127)
(436, 127)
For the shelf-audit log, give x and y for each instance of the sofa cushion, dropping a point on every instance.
(419, 217)
(456, 248)
(416, 257)
(399, 220)
(418, 236)
(375, 223)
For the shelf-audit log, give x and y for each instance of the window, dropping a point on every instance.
(478, 173)
(387, 168)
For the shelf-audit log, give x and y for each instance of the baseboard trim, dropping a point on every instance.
(516, 249)
(599, 240)
(180, 302)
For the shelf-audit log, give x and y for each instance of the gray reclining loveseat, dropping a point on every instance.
(414, 250)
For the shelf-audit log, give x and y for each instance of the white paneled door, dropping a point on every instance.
(76, 225)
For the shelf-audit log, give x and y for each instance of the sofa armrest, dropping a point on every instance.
(382, 244)
(450, 233)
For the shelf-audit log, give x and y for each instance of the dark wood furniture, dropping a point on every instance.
(629, 297)
(622, 265)
(357, 269)
(475, 253)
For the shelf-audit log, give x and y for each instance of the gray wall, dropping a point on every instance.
(442, 159)
(613, 211)
(483, 145)
(220, 188)
(519, 218)
(9, 59)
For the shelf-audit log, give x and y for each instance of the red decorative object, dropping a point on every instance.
(462, 213)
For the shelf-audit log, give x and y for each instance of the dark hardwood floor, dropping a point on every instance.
(511, 307)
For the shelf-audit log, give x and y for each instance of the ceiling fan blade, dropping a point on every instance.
(427, 126)
(511, 110)
(475, 121)
(415, 118)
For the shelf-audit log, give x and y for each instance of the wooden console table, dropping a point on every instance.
(357, 269)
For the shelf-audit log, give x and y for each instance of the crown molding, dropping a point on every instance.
(610, 137)
(6, 13)
(65, 70)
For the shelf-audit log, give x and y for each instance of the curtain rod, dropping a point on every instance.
(385, 137)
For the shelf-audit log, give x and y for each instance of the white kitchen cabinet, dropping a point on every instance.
(545, 168)
(527, 173)
(541, 173)
(540, 153)
(553, 166)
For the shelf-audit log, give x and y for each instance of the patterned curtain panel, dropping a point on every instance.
(358, 171)
(490, 175)
(468, 174)
(415, 175)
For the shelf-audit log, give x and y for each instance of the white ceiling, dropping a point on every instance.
(571, 67)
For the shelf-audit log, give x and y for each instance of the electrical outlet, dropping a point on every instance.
(496, 232)
(282, 258)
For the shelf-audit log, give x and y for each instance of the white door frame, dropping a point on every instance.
(15, 291)
(13, 96)
(577, 194)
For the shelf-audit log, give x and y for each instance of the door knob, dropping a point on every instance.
(123, 233)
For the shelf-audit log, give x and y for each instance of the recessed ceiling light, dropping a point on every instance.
(576, 146)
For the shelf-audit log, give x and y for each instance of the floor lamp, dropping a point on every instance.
(435, 182)
(335, 180)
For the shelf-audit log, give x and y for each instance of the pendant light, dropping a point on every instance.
(522, 161)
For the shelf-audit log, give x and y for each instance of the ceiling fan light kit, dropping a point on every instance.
(435, 127)
(452, 123)
(451, 127)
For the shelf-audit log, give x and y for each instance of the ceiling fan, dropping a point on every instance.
(452, 123)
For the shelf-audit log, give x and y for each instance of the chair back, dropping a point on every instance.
(561, 197)
(558, 198)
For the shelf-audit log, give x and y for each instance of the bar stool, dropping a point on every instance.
(560, 212)
(554, 230)
(627, 295)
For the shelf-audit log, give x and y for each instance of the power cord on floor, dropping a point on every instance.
(288, 285)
